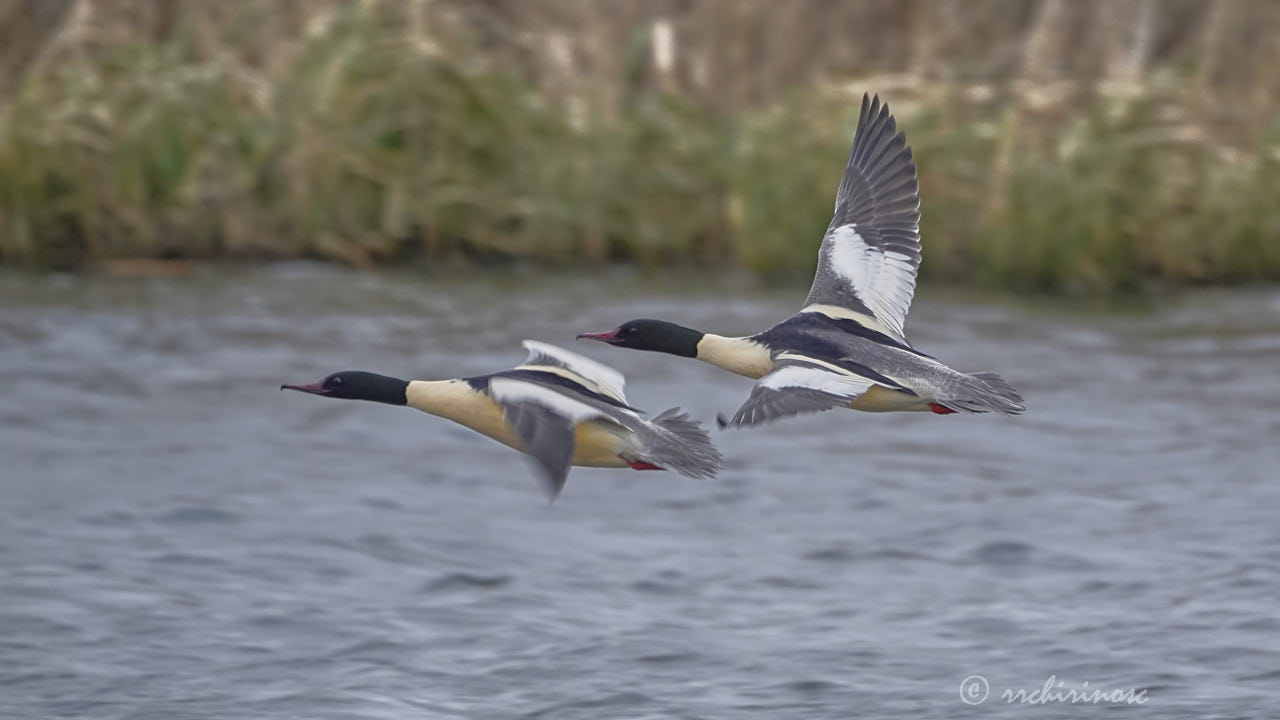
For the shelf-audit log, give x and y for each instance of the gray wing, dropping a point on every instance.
(796, 387)
(594, 376)
(543, 417)
(871, 250)
(547, 437)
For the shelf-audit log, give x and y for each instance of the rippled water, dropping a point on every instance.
(178, 539)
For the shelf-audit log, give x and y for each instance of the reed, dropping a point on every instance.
(370, 135)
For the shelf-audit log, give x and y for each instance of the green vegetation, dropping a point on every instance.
(369, 146)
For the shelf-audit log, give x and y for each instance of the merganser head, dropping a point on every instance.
(357, 385)
(654, 335)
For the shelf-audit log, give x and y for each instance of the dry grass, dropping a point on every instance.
(1063, 146)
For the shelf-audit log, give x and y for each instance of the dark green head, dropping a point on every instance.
(655, 335)
(357, 385)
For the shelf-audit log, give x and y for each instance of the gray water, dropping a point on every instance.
(178, 539)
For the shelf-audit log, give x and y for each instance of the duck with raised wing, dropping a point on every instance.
(846, 346)
(559, 407)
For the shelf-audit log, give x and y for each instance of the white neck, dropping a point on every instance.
(740, 355)
(452, 399)
(456, 400)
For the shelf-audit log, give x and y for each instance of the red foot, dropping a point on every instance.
(638, 465)
(940, 409)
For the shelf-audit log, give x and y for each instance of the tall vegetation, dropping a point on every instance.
(1062, 146)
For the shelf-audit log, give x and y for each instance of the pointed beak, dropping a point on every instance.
(313, 388)
(610, 337)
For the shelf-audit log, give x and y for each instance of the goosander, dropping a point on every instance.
(846, 346)
(559, 407)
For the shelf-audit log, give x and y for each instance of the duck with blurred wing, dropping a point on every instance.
(559, 407)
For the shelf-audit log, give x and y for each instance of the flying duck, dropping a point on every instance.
(559, 407)
(846, 345)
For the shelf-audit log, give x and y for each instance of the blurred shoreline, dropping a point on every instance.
(1063, 147)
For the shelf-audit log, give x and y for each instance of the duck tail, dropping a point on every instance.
(683, 446)
(984, 392)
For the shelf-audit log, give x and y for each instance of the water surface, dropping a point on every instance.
(178, 539)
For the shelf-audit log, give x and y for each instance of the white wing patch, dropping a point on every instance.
(843, 313)
(591, 374)
(871, 249)
(884, 280)
(832, 383)
(796, 386)
(510, 390)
